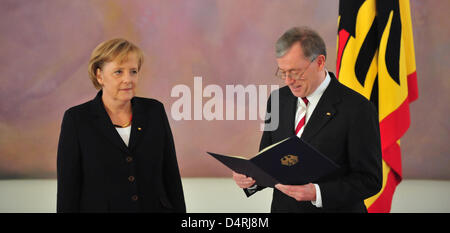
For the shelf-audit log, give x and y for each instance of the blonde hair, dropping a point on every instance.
(111, 50)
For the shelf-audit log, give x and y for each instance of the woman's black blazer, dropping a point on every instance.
(97, 172)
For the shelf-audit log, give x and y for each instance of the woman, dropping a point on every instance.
(116, 152)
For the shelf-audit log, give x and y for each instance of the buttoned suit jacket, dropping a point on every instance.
(98, 172)
(344, 127)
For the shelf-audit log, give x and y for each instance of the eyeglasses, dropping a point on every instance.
(292, 74)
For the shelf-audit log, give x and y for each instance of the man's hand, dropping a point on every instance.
(243, 181)
(305, 192)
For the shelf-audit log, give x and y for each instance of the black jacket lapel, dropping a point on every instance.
(324, 111)
(104, 124)
(138, 123)
(288, 106)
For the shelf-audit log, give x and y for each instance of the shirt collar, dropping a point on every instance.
(314, 97)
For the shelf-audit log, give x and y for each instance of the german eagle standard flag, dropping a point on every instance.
(376, 58)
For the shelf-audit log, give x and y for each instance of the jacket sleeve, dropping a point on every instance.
(68, 167)
(171, 175)
(364, 178)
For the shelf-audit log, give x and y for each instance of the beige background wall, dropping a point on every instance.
(45, 47)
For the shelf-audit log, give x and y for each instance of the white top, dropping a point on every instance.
(302, 109)
(124, 133)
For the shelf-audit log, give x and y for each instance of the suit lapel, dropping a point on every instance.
(104, 124)
(324, 111)
(139, 123)
(288, 105)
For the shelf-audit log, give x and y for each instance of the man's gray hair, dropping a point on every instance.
(310, 41)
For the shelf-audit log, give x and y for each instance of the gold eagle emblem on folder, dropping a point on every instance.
(289, 160)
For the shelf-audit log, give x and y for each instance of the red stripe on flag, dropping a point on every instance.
(393, 126)
(343, 38)
(384, 201)
(392, 156)
(396, 124)
(413, 90)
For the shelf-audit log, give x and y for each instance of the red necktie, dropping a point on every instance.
(301, 123)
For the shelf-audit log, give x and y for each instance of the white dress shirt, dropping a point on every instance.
(302, 109)
(124, 133)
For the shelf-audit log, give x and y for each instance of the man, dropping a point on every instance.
(337, 121)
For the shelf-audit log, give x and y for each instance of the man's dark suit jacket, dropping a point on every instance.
(344, 127)
(97, 172)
